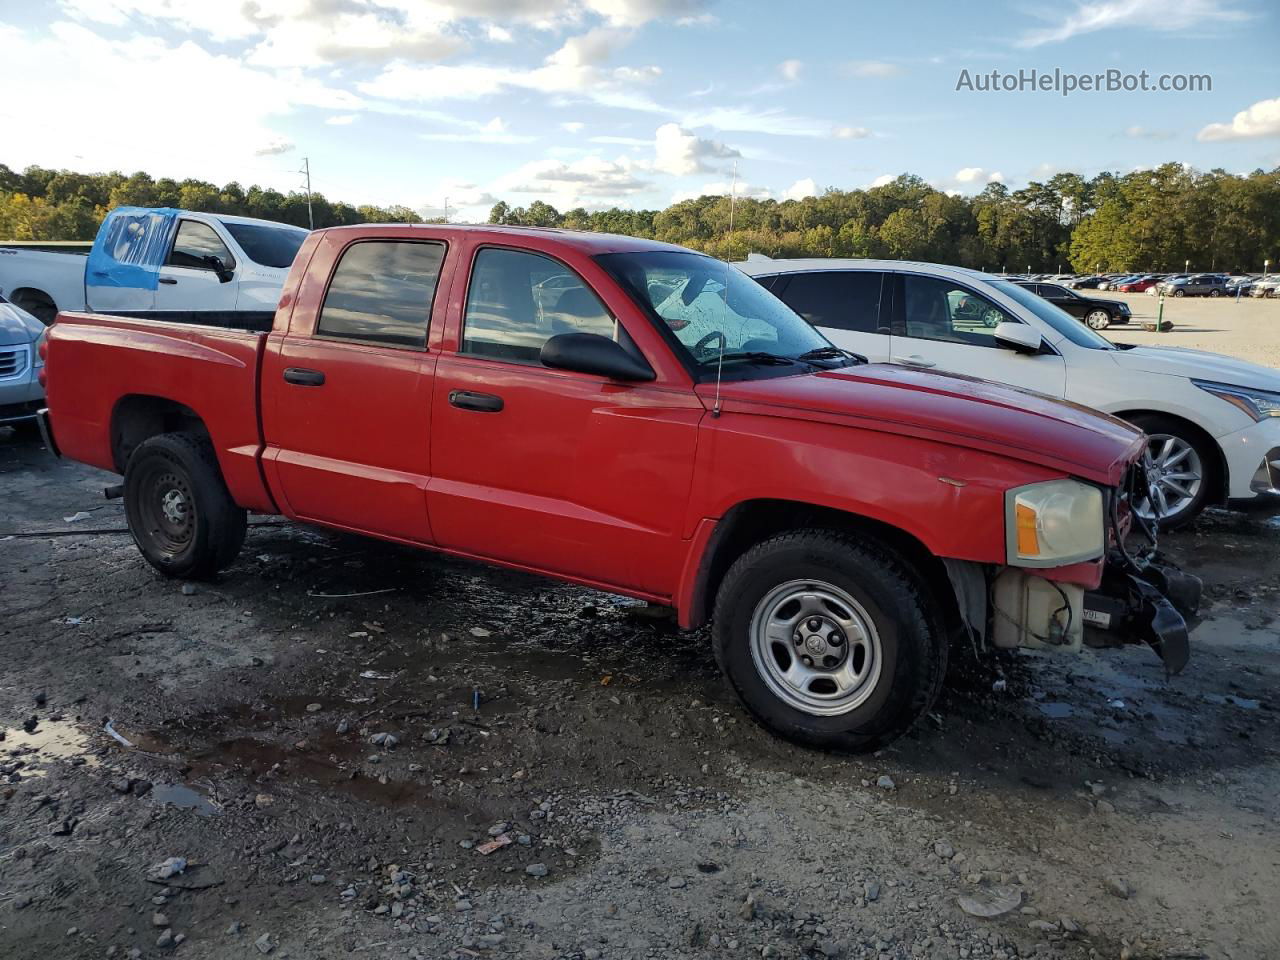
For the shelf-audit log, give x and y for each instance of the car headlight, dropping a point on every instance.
(1054, 523)
(1258, 404)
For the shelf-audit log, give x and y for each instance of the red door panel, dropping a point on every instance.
(353, 452)
(574, 475)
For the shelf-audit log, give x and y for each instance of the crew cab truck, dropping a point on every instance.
(638, 418)
(153, 258)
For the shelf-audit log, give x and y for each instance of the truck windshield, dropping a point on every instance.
(267, 245)
(712, 308)
(1056, 317)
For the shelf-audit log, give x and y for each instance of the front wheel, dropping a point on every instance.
(1179, 465)
(179, 511)
(829, 641)
(1215, 293)
(1098, 319)
(1179, 293)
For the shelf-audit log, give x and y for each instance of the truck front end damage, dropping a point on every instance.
(1063, 601)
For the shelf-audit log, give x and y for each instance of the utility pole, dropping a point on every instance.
(446, 209)
(306, 170)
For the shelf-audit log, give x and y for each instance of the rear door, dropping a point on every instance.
(347, 390)
(198, 273)
(560, 471)
(944, 325)
(844, 304)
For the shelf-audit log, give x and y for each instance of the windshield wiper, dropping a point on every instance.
(832, 353)
(752, 356)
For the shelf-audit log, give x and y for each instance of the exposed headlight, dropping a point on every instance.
(1054, 523)
(1258, 404)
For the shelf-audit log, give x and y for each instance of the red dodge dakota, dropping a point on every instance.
(639, 418)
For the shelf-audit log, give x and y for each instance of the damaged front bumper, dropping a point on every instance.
(1147, 602)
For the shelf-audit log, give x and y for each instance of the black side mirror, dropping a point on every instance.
(592, 353)
(217, 265)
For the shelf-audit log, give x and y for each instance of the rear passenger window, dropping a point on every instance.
(518, 301)
(381, 293)
(842, 300)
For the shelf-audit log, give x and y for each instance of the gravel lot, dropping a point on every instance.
(1248, 328)
(633, 810)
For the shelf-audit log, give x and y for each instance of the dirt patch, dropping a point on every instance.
(569, 777)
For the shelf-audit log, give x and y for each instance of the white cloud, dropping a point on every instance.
(741, 190)
(496, 34)
(567, 185)
(633, 13)
(623, 141)
(1260, 120)
(215, 144)
(680, 152)
(850, 133)
(1143, 15)
(791, 69)
(1142, 133)
(883, 180)
(872, 68)
(589, 49)
(801, 189)
(995, 176)
(968, 174)
(769, 120)
(572, 126)
(341, 120)
(274, 147)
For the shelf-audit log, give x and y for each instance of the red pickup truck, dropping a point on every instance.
(639, 418)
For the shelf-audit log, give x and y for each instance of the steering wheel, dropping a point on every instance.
(702, 345)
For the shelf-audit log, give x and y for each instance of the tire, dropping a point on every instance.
(1204, 462)
(38, 304)
(839, 584)
(1098, 319)
(179, 511)
(1215, 293)
(1179, 293)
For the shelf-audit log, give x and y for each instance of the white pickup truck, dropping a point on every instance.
(159, 259)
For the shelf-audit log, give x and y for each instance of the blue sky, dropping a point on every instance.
(627, 102)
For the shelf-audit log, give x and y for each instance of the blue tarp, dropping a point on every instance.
(131, 246)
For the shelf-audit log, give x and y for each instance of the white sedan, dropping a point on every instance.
(1213, 421)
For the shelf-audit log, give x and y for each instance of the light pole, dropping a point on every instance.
(1186, 265)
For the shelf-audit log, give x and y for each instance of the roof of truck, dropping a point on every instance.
(590, 243)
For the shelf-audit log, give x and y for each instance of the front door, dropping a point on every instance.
(198, 273)
(347, 407)
(564, 472)
(943, 325)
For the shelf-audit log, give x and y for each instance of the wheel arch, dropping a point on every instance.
(137, 417)
(22, 295)
(753, 521)
(1221, 481)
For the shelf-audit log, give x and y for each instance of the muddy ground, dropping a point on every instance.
(638, 812)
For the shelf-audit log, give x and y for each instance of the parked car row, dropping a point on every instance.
(1170, 284)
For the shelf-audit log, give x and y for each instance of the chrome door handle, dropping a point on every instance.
(915, 360)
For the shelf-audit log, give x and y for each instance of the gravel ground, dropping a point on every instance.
(357, 750)
(1248, 328)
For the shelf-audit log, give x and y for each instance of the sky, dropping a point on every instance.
(634, 103)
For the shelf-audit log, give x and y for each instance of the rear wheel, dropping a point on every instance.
(37, 303)
(179, 510)
(828, 640)
(1179, 293)
(1180, 467)
(1098, 319)
(1215, 293)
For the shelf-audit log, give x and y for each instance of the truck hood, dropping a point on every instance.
(1199, 364)
(17, 326)
(948, 408)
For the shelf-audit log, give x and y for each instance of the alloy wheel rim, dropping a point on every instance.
(815, 648)
(1175, 475)
(1097, 319)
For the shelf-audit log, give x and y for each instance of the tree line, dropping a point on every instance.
(1155, 219)
(41, 204)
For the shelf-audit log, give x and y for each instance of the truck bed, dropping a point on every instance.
(114, 372)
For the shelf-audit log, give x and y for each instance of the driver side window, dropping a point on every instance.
(935, 309)
(194, 243)
(517, 301)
